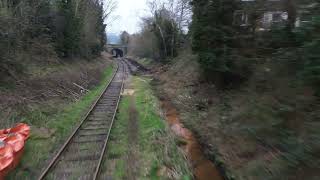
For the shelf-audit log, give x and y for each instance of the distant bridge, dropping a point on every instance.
(112, 47)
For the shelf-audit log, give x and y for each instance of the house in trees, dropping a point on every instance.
(260, 15)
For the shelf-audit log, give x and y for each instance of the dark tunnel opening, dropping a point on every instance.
(117, 52)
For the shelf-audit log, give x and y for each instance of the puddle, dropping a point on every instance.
(203, 169)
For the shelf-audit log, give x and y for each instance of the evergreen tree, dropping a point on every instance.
(213, 35)
(69, 39)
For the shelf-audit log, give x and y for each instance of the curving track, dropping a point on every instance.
(82, 154)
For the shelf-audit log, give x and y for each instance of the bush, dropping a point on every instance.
(226, 71)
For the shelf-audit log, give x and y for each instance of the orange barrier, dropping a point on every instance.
(17, 143)
(20, 128)
(12, 143)
(6, 160)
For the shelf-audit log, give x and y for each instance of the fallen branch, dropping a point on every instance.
(82, 88)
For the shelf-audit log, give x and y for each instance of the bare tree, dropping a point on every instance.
(154, 6)
(168, 21)
(183, 13)
(109, 7)
(172, 9)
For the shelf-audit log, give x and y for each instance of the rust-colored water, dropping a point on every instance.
(203, 168)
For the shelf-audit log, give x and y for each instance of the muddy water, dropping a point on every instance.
(203, 169)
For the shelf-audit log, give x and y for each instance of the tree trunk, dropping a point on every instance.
(163, 40)
(172, 39)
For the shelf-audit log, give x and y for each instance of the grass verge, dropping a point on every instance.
(158, 155)
(146, 62)
(50, 130)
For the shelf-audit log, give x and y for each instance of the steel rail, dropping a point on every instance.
(69, 140)
(107, 139)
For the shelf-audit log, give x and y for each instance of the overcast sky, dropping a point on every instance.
(128, 13)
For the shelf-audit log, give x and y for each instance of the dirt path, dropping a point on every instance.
(132, 165)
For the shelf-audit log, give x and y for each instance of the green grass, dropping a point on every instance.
(146, 62)
(118, 144)
(157, 147)
(39, 149)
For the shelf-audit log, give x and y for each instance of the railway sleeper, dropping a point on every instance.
(77, 168)
(100, 114)
(94, 133)
(95, 128)
(82, 157)
(105, 110)
(106, 105)
(74, 147)
(107, 101)
(109, 96)
(95, 138)
(100, 119)
(69, 175)
(95, 123)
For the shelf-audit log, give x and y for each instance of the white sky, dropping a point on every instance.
(129, 13)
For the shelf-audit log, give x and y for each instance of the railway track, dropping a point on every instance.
(82, 154)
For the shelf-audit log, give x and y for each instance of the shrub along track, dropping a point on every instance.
(82, 154)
